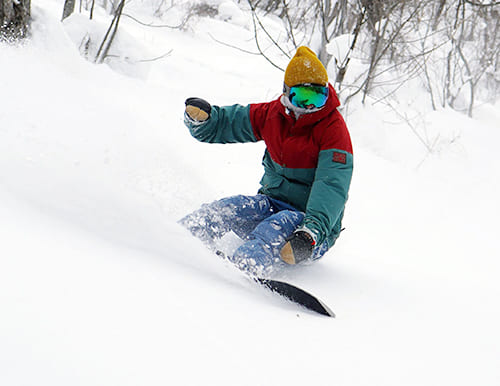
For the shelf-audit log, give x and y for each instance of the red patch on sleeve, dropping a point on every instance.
(340, 158)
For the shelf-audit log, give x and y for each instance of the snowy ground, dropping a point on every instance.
(100, 286)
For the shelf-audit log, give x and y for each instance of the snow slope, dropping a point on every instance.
(100, 286)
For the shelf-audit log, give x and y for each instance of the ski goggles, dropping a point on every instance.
(307, 95)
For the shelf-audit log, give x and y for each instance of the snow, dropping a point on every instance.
(339, 47)
(100, 286)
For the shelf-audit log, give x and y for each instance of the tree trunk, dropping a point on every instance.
(110, 34)
(14, 19)
(69, 8)
(439, 12)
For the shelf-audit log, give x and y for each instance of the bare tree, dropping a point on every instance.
(14, 19)
(451, 46)
(69, 8)
(110, 34)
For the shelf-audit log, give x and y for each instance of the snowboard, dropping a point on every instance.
(290, 292)
(296, 295)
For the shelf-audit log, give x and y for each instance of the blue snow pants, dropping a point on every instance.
(262, 222)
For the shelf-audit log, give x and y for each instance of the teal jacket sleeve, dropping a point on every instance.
(227, 124)
(329, 193)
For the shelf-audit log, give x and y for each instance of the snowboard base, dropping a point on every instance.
(296, 295)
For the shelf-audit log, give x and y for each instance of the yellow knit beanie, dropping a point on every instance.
(305, 67)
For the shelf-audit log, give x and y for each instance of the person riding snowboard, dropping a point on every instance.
(296, 215)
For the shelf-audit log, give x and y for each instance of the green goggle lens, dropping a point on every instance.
(308, 96)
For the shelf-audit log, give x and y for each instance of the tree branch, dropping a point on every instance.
(478, 4)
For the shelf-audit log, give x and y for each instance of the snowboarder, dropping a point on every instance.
(296, 215)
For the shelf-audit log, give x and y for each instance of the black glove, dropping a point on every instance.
(197, 109)
(299, 247)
